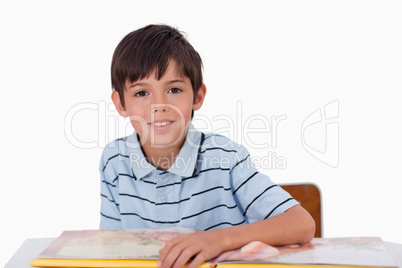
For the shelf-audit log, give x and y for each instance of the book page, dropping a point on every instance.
(112, 244)
(350, 251)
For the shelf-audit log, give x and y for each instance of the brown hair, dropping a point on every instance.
(150, 49)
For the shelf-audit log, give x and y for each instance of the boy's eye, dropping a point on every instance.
(141, 93)
(174, 90)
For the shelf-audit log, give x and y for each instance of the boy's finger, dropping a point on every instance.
(165, 251)
(197, 261)
(185, 256)
(170, 255)
(169, 260)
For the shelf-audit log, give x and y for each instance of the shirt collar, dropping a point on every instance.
(186, 163)
(138, 163)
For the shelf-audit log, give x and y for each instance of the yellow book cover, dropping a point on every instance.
(140, 248)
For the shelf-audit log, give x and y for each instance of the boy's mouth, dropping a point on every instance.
(161, 123)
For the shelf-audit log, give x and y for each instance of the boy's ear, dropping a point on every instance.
(199, 98)
(117, 103)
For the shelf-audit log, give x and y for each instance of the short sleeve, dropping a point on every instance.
(256, 195)
(110, 212)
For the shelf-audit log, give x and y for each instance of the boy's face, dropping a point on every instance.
(160, 110)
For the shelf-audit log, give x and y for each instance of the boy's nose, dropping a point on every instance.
(160, 107)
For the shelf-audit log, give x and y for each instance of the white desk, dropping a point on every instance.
(31, 248)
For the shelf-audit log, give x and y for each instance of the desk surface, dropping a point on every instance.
(31, 248)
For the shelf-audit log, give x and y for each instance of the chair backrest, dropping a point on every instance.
(309, 197)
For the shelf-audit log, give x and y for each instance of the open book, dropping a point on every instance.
(140, 248)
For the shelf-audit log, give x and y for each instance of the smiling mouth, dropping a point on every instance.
(161, 124)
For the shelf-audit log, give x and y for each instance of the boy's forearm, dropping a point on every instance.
(290, 227)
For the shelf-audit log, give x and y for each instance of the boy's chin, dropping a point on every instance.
(165, 144)
(171, 139)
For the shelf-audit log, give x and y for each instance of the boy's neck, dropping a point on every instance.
(162, 158)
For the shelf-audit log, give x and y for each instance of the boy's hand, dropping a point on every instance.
(202, 246)
(291, 227)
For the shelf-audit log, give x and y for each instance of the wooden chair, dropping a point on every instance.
(309, 197)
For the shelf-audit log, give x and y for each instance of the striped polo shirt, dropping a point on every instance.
(212, 184)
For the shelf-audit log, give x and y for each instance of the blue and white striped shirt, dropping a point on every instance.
(211, 184)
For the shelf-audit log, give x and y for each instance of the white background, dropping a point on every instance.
(286, 58)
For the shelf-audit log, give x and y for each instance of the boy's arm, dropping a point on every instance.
(109, 194)
(293, 226)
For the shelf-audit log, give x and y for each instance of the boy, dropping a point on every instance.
(169, 174)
